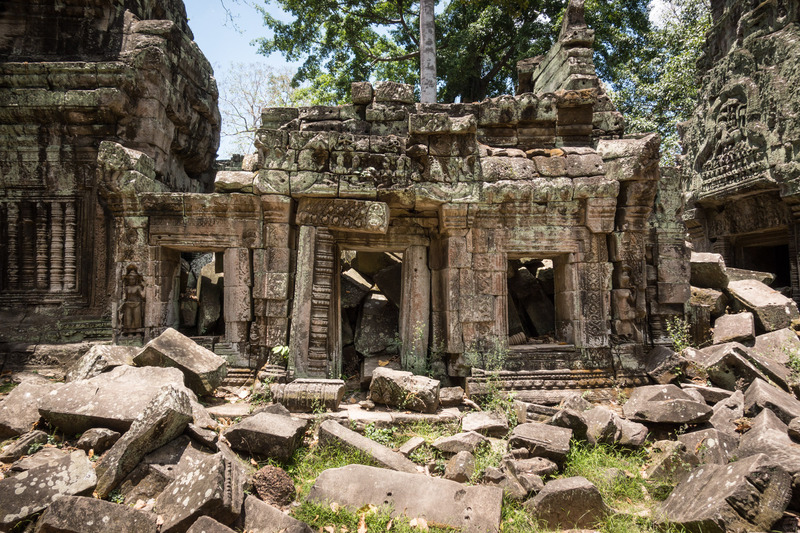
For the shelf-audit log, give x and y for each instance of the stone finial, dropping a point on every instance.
(574, 16)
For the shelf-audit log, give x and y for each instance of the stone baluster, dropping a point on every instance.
(41, 245)
(69, 247)
(56, 247)
(13, 245)
(27, 273)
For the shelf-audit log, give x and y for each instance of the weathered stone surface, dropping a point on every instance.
(576, 402)
(79, 514)
(740, 327)
(410, 446)
(234, 181)
(666, 404)
(78, 406)
(451, 396)
(164, 418)
(19, 410)
(711, 446)
(572, 502)
(377, 325)
(777, 345)
(708, 271)
(460, 467)
(474, 509)
(490, 423)
(727, 365)
(460, 442)
(714, 300)
(769, 436)
(710, 395)
(664, 364)
(97, 439)
(794, 429)
(206, 524)
(761, 395)
(34, 490)
(541, 440)
(203, 369)
(602, 426)
(267, 435)
(570, 419)
(334, 434)
(44, 456)
(670, 462)
(230, 410)
(306, 395)
(261, 517)
(20, 447)
(274, 486)
(354, 289)
(214, 488)
(537, 466)
(404, 390)
(748, 495)
(99, 359)
(726, 412)
(771, 309)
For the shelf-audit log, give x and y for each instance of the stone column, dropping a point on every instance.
(69, 246)
(27, 274)
(238, 304)
(42, 241)
(415, 309)
(56, 247)
(301, 304)
(13, 245)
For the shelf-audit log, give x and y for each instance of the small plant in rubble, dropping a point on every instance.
(678, 331)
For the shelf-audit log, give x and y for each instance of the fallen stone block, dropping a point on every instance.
(710, 446)
(761, 395)
(490, 423)
(267, 435)
(34, 490)
(602, 426)
(101, 358)
(537, 466)
(451, 396)
(727, 412)
(664, 365)
(634, 434)
(739, 274)
(768, 435)
(78, 406)
(22, 446)
(460, 467)
(205, 524)
(410, 446)
(727, 365)
(570, 419)
(229, 410)
(569, 503)
(214, 489)
(794, 429)
(473, 508)
(377, 325)
(334, 434)
(468, 441)
(740, 327)
(97, 439)
(19, 410)
(161, 421)
(708, 271)
(203, 369)
(401, 389)
(541, 440)
(670, 462)
(261, 517)
(306, 395)
(711, 395)
(664, 404)
(747, 495)
(576, 402)
(44, 456)
(715, 301)
(80, 514)
(771, 309)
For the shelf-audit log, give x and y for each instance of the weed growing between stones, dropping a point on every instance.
(383, 436)
(488, 454)
(678, 331)
(307, 463)
(490, 355)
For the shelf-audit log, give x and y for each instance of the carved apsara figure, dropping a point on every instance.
(132, 309)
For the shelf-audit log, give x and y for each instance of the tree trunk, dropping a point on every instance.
(427, 52)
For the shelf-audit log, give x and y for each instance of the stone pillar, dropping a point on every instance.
(238, 308)
(27, 274)
(160, 299)
(13, 245)
(301, 304)
(42, 256)
(415, 309)
(56, 247)
(69, 247)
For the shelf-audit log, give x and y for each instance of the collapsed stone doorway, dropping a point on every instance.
(531, 302)
(200, 294)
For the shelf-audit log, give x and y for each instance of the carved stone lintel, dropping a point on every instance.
(344, 215)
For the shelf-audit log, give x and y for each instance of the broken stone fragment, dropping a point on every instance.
(267, 435)
(489, 423)
(34, 490)
(234, 181)
(664, 364)
(259, 516)
(665, 404)
(19, 410)
(708, 271)
(79, 514)
(460, 467)
(468, 441)
(739, 327)
(306, 395)
(161, 421)
(571, 419)
(670, 462)
(404, 390)
(203, 369)
(274, 486)
(727, 365)
(214, 488)
(761, 395)
(771, 309)
(726, 412)
(474, 509)
(22, 446)
(569, 503)
(78, 406)
(206, 524)
(451, 396)
(541, 440)
(97, 439)
(748, 495)
(710, 445)
(714, 300)
(334, 434)
(101, 358)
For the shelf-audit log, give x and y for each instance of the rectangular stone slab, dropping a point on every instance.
(474, 509)
(334, 434)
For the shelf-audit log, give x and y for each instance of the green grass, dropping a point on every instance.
(307, 463)
(376, 519)
(7, 387)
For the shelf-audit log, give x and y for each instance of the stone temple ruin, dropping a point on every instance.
(742, 158)
(107, 177)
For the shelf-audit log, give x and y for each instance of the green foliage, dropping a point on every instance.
(488, 454)
(375, 519)
(281, 352)
(7, 387)
(478, 42)
(307, 463)
(794, 362)
(115, 496)
(657, 87)
(491, 355)
(264, 395)
(35, 447)
(383, 436)
(678, 331)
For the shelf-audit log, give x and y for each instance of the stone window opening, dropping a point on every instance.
(531, 301)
